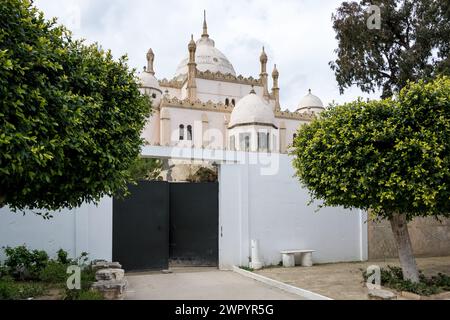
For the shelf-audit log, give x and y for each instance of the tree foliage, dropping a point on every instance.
(70, 115)
(413, 43)
(145, 169)
(204, 174)
(391, 156)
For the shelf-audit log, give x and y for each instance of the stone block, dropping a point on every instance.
(111, 290)
(109, 274)
(380, 294)
(102, 264)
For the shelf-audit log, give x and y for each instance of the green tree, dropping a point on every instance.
(70, 115)
(413, 43)
(391, 157)
(145, 169)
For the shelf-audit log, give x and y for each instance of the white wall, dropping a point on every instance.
(214, 135)
(218, 91)
(256, 201)
(85, 229)
(292, 127)
(274, 210)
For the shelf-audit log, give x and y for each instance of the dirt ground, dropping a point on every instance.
(344, 281)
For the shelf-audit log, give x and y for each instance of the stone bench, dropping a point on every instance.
(289, 257)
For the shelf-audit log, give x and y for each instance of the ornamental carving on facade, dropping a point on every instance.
(173, 83)
(218, 76)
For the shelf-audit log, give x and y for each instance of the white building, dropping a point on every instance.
(206, 105)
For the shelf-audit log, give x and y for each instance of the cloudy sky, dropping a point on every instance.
(297, 34)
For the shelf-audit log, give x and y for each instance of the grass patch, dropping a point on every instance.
(88, 295)
(31, 274)
(392, 277)
(14, 290)
(246, 268)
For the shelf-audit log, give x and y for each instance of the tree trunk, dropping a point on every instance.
(399, 226)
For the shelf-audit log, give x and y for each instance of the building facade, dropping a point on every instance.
(206, 105)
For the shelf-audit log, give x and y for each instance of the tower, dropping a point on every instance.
(192, 71)
(276, 88)
(264, 76)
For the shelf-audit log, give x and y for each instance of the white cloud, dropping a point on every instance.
(298, 36)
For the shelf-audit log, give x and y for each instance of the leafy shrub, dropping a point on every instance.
(25, 264)
(88, 295)
(30, 290)
(8, 289)
(4, 270)
(392, 277)
(12, 290)
(81, 260)
(63, 257)
(54, 272)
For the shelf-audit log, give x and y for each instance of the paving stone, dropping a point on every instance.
(411, 296)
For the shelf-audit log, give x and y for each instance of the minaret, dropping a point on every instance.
(264, 76)
(192, 71)
(150, 60)
(205, 26)
(276, 89)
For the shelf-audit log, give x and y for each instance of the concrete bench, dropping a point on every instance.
(289, 257)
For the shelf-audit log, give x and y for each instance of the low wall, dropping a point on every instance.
(85, 229)
(429, 237)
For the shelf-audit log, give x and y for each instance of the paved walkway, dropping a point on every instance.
(344, 281)
(200, 284)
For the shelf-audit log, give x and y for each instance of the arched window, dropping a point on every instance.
(295, 136)
(232, 143)
(233, 102)
(181, 132)
(154, 96)
(189, 133)
(244, 141)
(263, 141)
(227, 102)
(247, 143)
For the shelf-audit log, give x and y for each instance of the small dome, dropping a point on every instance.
(252, 109)
(148, 80)
(310, 101)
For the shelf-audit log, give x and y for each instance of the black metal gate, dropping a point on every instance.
(194, 224)
(159, 221)
(141, 227)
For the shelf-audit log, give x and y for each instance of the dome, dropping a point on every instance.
(310, 101)
(148, 80)
(252, 109)
(208, 58)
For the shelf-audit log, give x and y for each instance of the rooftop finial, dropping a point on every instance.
(192, 46)
(205, 25)
(275, 72)
(150, 60)
(263, 57)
